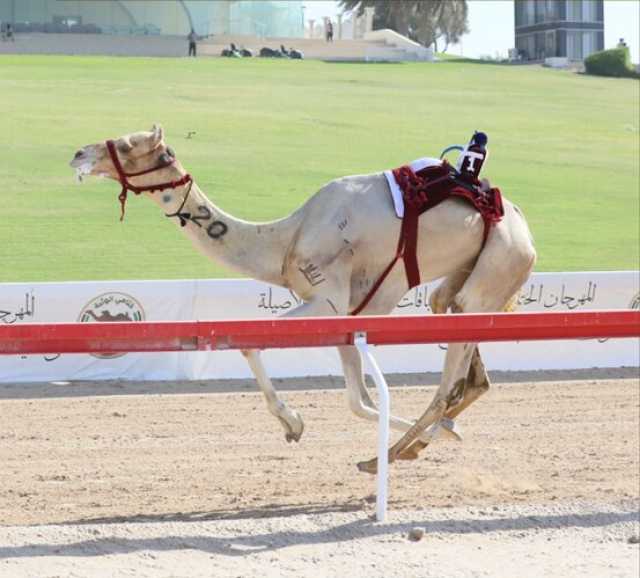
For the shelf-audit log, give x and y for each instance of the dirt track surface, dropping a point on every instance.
(556, 462)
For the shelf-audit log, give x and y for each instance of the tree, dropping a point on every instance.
(452, 23)
(424, 21)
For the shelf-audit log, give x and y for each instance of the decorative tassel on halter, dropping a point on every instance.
(122, 197)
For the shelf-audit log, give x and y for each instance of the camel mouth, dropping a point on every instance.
(82, 170)
(83, 162)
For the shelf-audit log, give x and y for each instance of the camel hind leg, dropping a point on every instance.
(476, 384)
(501, 269)
(477, 381)
(360, 402)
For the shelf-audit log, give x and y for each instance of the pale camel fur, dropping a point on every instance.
(331, 251)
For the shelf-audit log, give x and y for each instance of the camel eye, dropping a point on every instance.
(124, 146)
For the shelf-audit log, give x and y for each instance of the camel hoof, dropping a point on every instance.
(291, 434)
(292, 437)
(370, 467)
(408, 455)
(412, 452)
(450, 430)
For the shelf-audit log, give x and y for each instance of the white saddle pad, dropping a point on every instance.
(396, 192)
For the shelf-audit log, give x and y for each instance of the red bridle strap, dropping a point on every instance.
(127, 186)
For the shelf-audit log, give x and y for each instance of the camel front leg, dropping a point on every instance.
(289, 418)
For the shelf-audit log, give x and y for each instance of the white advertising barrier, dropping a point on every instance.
(105, 301)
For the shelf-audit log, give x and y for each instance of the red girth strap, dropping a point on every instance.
(127, 186)
(422, 191)
(407, 244)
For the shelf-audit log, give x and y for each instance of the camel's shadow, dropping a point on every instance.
(241, 544)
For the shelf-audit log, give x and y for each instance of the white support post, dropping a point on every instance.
(360, 341)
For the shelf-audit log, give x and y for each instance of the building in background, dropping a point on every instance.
(573, 29)
(282, 18)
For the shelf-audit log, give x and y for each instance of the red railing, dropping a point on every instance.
(304, 332)
(28, 338)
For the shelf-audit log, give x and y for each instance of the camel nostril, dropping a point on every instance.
(78, 154)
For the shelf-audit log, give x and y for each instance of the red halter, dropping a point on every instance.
(127, 186)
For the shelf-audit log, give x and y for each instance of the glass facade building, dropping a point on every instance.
(569, 28)
(272, 18)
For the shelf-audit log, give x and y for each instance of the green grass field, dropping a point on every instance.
(564, 146)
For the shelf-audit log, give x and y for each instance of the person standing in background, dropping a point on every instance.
(329, 30)
(192, 42)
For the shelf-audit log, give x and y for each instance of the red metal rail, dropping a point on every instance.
(309, 332)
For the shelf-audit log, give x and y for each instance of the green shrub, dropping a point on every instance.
(614, 62)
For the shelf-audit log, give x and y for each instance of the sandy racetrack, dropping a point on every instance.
(151, 483)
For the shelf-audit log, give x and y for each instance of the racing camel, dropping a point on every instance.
(333, 252)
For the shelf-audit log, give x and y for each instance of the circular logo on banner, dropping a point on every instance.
(111, 307)
(635, 302)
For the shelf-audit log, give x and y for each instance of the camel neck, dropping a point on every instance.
(256, 250)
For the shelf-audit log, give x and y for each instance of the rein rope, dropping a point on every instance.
(184, 217)
(127, 186)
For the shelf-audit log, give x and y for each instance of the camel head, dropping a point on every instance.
(141, 156)
(137, 152)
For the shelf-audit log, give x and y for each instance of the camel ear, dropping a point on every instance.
(124, 145)
(157, 134)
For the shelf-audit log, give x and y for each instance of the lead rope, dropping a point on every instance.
(184, 217)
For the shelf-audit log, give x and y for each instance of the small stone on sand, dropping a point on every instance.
(416, 534)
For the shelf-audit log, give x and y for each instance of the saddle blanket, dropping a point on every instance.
(396, 192)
